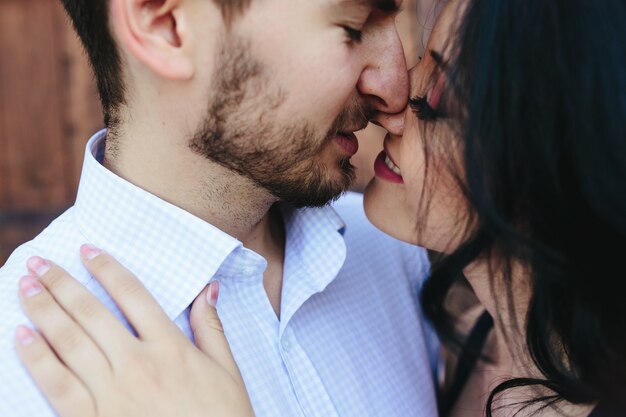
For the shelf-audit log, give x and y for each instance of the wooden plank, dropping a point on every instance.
(4, 167)
(31, 134)
(48, 110)
(16, 229)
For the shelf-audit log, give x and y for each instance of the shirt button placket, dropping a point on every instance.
(286, 343)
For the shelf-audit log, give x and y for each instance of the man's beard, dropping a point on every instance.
(240, 134)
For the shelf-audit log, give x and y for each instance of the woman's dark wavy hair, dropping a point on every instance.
(543, 85)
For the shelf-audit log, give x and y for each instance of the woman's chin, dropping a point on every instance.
(385, 215)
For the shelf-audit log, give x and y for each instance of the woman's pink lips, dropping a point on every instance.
(383, 172)
(387, 151)
(348, 142)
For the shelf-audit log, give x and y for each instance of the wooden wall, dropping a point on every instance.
(48, 109)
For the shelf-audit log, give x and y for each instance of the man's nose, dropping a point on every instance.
(384, 81)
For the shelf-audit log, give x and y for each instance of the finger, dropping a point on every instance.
(208, 331)
(65, 337)
(65, 392)
(142, 311)
(82, 306)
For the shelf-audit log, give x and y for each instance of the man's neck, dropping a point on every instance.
(230, 202)
(170, 171)
(272, 247)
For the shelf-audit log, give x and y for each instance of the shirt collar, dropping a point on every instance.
(315, 253)
(174, 253)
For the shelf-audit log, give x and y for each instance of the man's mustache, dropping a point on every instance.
(352, 119)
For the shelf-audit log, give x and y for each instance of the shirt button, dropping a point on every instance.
(286, 344)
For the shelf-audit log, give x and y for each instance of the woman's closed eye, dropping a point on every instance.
(422, 108)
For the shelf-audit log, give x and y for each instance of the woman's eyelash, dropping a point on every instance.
(422, 108)
(355, 35)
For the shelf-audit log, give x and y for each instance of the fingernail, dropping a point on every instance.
(89, 251)
(24, 335)
(29, 286)
(212, 293)
(38, 266)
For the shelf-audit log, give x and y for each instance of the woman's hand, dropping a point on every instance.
(88, 364)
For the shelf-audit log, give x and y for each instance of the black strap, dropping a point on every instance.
(467, 360)
(604, 410)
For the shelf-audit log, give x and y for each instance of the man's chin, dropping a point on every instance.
(310, 185)
(318, 195)
(312, 203)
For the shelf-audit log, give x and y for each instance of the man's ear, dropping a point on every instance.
(155, 32)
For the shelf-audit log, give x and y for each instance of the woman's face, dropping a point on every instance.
(415, 195)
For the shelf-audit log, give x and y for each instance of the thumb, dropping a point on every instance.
(208, 331)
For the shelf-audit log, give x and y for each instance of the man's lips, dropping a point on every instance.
(348, 142)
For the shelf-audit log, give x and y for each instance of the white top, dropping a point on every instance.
(350, 341)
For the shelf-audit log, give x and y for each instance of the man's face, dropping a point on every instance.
(293, 80)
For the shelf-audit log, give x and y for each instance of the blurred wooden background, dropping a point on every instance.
(49, 108)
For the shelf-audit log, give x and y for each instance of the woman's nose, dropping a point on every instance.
(392, 122)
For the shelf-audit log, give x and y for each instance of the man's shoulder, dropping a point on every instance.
(55, 242)
(58, 242)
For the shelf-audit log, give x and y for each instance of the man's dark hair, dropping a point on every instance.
(90, 19)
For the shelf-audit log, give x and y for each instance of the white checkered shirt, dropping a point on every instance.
(350, 340)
